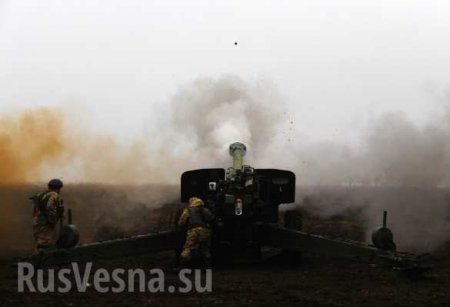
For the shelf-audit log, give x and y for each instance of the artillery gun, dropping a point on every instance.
(245, 202)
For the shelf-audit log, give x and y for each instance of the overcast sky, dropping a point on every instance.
(336, 63)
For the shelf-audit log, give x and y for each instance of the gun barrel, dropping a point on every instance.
(237, 151)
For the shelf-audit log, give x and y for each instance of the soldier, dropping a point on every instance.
(48, 211)
(196, 218)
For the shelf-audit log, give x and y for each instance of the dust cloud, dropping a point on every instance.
(27, 142)
(400, 167)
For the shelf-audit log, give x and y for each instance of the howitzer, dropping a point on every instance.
(245, 203)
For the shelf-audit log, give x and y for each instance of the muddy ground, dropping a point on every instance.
(315, 281)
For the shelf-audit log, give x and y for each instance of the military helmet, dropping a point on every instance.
(195, 202)
(55, 183)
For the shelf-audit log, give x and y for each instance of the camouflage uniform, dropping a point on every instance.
(45, 219)
(197, 218)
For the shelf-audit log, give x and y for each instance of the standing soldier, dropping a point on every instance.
(48, 211)
(196, 218)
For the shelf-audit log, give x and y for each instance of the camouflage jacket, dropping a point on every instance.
(195, 217)
(48, 211)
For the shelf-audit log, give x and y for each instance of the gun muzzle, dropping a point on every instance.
(237, 151)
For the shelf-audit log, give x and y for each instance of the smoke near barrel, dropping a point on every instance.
(209, 114)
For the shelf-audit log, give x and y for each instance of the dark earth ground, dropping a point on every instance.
(315, 281)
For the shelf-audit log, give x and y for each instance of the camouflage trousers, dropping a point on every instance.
(198, 242)
(45, 236)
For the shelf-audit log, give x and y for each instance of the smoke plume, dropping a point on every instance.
(208, 115)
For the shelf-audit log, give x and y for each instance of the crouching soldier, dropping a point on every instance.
(48, 211)
(197, 219)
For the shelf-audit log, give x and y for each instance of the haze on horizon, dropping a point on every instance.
(343, 90)
(336, 64)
